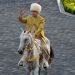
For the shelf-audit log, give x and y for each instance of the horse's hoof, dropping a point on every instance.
(21, 63)
(45, 66)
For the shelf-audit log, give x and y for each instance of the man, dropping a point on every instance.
(34, 22)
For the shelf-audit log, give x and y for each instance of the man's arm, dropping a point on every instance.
(21, 17)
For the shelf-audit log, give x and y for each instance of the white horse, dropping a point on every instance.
(30, 50)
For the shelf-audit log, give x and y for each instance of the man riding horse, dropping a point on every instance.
(35, 23)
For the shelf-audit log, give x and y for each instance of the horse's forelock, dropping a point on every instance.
(27, 34)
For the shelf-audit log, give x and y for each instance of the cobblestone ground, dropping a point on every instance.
(60, 29)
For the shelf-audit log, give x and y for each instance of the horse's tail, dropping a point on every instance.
(51, 54)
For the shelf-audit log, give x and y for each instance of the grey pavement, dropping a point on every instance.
(59, 28)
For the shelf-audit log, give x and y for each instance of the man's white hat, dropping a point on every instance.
(36, 7)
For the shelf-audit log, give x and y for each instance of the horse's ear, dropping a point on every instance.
(24, 31)
(29, 31)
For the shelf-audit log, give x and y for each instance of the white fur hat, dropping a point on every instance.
(36, 7)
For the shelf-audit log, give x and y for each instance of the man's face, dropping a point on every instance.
(34, 13)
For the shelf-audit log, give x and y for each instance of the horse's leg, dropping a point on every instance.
(47, 45)
(40, 66)
(46, 55)
(51, 51)
(20, 63)
(45, 62)
(46, 71)
(36, 71)
(22, 60)
(39, 71)
(30, 73)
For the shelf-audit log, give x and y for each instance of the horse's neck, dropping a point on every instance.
(30, 46)
(33, 45)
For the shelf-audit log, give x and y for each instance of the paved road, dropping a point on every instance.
(60, 29)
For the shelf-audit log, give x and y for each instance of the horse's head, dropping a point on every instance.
(27, 48)
(26, 38)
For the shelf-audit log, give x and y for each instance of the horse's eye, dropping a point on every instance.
(24, 31)
(25, 40)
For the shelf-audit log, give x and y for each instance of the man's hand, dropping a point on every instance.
(21, 12)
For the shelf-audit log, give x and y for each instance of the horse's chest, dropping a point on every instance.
(30, 54)
(32, 66)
